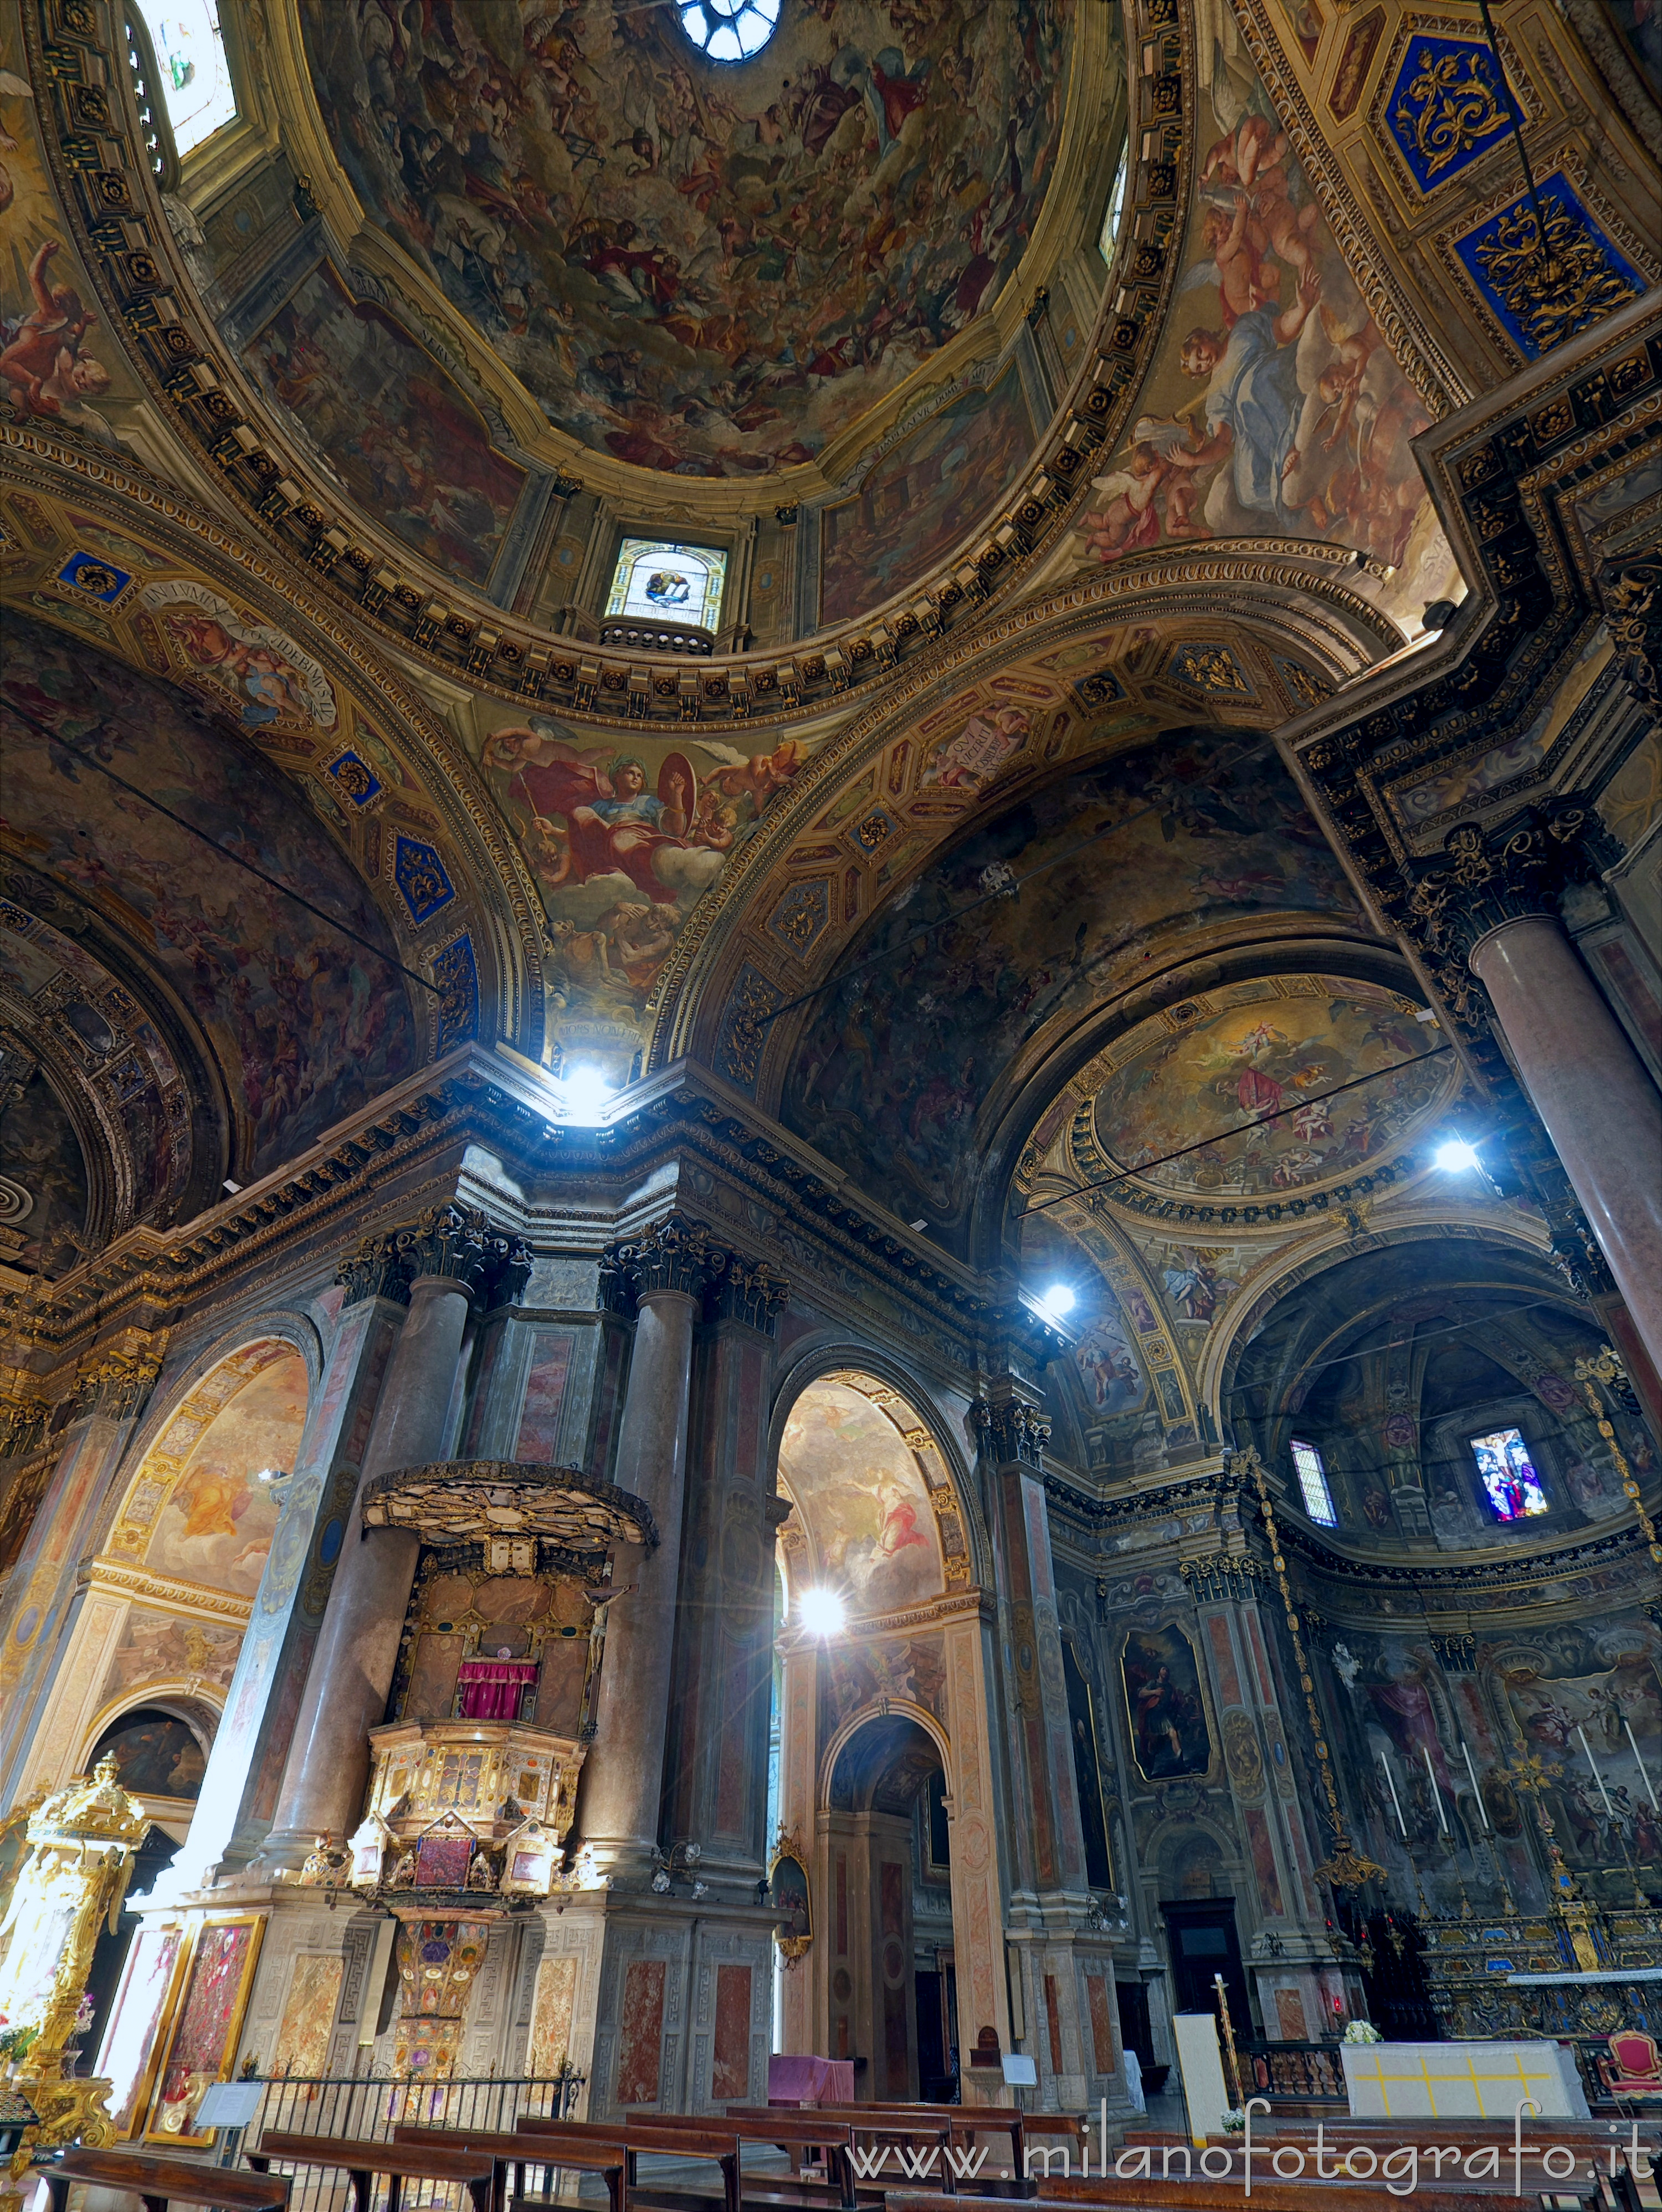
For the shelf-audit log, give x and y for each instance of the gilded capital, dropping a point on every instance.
(1012, 1429)
(116, 1379)
(1490, 880)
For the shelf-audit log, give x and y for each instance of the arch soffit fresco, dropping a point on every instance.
(426, 791)
(1119, 633)
(175, 1425)
(962, 1553)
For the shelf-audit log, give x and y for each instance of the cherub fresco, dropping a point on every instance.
(42, 360)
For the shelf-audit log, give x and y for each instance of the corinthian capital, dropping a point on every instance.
(1012, 1428)
(673, 1254)
(456, 1243)
(1489, 880)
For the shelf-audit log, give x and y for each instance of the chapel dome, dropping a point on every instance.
(703, 270)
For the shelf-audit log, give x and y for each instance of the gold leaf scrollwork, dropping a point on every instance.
(1552, 294)
(1453, 113)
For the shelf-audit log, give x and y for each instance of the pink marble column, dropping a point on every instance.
(1594, 1097)
(445, 1259)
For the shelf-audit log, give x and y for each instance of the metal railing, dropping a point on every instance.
(1302, 2073)
(368, 2108)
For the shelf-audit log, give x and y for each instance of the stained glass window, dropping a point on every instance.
(661, 582)
(1312, 1482)
(1508, 1475)
(196, 76)
(730, 30)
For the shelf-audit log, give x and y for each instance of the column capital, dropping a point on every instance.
(115, 1380)
(449, 1243)
(1013, 1429)
(751, 1291)
(1488, 879)
(675, 1255)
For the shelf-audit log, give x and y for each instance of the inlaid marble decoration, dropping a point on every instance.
(640, 2034)
(551, 2018)
(730, 2071)
(314, 1991)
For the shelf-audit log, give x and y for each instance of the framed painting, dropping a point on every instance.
(787, 1875)
(1165, 1708)
(207, 2023)
(138, 2022)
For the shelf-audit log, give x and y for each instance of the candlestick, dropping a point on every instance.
(1643, 1776)
(1436, 1794)
(1395, 1800)
(1482, 1809)
(1608, 1808)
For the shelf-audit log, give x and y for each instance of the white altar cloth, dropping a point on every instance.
(1461, 2081)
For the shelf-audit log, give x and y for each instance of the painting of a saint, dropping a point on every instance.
(219, 1519)
(155, 1754)
(856, 1486)
(1164, 1706)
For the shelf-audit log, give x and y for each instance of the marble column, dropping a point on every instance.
(1594, 1097)
(715, 1787)
(439, 1265)
(665, 1273)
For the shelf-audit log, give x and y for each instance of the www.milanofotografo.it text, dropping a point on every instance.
(1400, 2168)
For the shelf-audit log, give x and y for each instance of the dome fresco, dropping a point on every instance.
(1261, 1080)
(710, 271)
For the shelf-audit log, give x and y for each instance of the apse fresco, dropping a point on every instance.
(863, 1504)
(217, 1525)
(1193, 833)
(1251, 1100)
(1273, 406)
(623, 838)
(922, 496)
(394, 426)
(1590, 1728)
(306, 1023)
(706, 272)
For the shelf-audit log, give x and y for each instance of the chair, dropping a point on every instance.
(1633, 2067)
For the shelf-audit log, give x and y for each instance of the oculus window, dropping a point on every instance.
(1313, 1484)
(196, 76)
(1507, 1474)
(730, 30)
(661, 582)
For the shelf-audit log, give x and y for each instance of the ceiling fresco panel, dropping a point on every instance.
(960, 976)
(301, 1019)
(703, 271)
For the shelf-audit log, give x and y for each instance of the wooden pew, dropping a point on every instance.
(825, 2130)
(508, 2152)
(362, 2160)
(700, 2140)
(159, 2182)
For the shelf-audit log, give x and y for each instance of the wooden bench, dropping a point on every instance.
(789, 2129)
(896, 2125)
(360, 2162)
(161, 2181)
(508, 2152)
(699, 2141)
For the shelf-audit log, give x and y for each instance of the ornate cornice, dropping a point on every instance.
(163, 1590)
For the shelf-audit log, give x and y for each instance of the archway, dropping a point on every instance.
(886, 1787)
(887, 1923)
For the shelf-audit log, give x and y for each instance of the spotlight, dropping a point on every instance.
(1456, 1157)
(586, 1092)
(823, 1612)
(1059, 1299)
